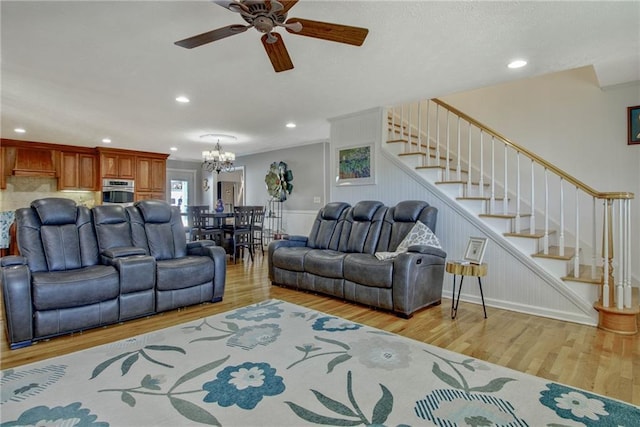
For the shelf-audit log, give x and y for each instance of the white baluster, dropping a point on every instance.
(410, 128)
(420, 127)
(447, 156)
(492, 200)
(505, 200)
(576, 259)
(458, 171)
(518, 195)
(428, 134)
(469, 160)
(481, 181)
(561, 239)
(545, 240)
(437, 134)
(532, 218)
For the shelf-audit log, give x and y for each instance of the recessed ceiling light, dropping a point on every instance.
(182, 99)
(19, 130)
(173, 148)
(106, 140)
(290, 125)
(518, 63)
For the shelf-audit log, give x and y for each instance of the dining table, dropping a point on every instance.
(218, 218)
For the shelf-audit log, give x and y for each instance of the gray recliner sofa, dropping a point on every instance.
(80, 268)
(338, 257)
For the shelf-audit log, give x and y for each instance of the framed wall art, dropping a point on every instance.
(633, 125)
(355, 165)
(475, 250)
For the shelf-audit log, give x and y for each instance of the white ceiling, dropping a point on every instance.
(78, 71)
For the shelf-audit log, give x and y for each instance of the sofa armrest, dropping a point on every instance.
(427, 250)
(297, 238)
(18, 307)
(219, 257)
(297, 241)
(10, 260)
(417, 280)
(197, 247)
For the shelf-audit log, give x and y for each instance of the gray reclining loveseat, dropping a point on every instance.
(82, 268)
(338, 257)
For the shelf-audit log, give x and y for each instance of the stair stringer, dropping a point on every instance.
(583, 311)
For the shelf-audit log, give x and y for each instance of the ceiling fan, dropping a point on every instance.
(265, 16)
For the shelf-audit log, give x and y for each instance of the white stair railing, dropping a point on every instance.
(431, 123)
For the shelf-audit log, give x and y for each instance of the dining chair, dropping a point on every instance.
(241, 231)
(257, 226)
(201, 227)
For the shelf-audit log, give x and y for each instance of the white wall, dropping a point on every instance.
(567, 119)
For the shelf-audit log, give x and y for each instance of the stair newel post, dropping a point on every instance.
(492, 200)
(620, 259)
(410, 128)
(532, 218)
(506, 200)
(593, 240)
(469, 158)
(458, 173)
(545, 240)
(576, 258)
(607, 255)
(627, 254)
(481, 180)
(561, 237)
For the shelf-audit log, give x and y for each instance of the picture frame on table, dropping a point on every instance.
(355, 165)
(633, 125)
(474, 253)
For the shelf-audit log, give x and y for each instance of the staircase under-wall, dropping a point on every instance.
(564, 226)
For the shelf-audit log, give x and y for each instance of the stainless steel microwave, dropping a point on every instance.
(117, 191)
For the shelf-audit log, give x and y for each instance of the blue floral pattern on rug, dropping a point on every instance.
(276, 363)
(244, 385)
(71, 415)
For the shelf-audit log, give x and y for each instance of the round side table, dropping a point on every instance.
(462, 269)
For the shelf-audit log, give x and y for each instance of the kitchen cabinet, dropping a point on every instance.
(77, 171)
(116, 164)
(150, 177)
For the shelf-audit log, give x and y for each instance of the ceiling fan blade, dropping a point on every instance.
(212, 36)
(233, 6)
(277, 52)
(332, 32)
(288, 4)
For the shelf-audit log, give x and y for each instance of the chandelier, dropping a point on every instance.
(217, 159)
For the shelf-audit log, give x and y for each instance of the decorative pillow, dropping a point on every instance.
(420, 234)
(386, 255)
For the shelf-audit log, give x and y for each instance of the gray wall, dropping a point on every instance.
(307, 162)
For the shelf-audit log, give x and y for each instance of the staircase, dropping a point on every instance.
(577, 234)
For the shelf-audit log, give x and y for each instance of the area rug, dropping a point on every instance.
(279, 364)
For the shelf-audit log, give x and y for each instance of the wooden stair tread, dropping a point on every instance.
(423, 154)
(484, 198)
(440, 167)
(486, 184)
(537, 234)
(554, 253)
(584, 275)
(414, 143)
(504, 215)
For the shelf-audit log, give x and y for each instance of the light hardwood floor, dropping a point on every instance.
(577, 355)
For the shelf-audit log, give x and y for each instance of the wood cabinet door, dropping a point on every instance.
(109, 165)
(87, 173)
(126, 167)
(143, 174)
(68, 179)
(158, 175)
